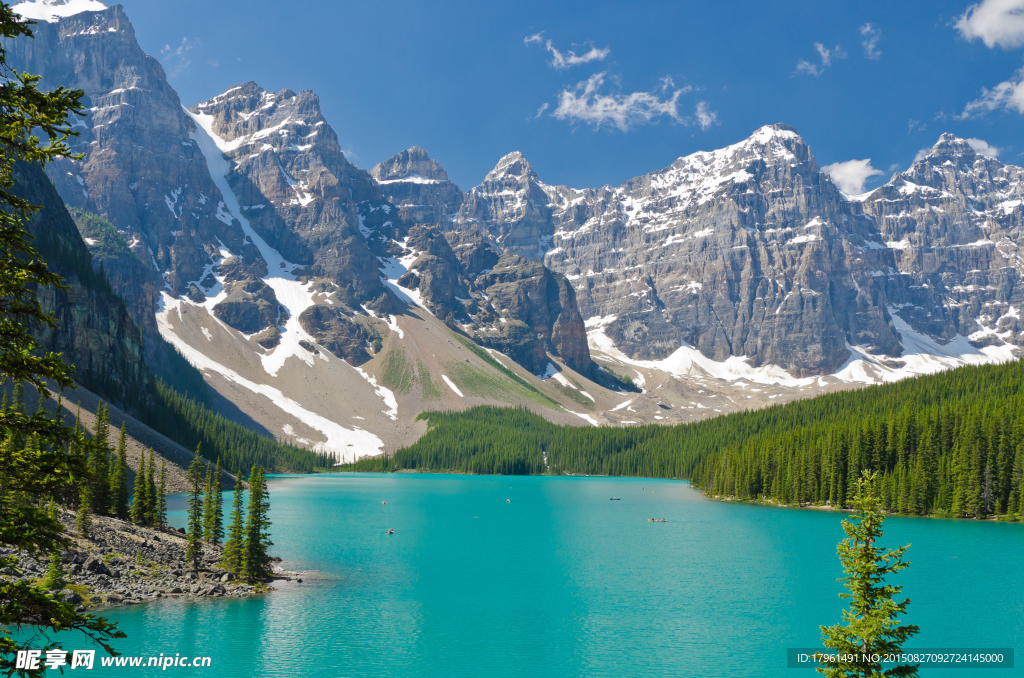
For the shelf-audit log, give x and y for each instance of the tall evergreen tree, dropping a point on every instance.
(871, 625)
(119, 479)
(34, 129)
(161, 497)
(256, 560)
(140, 501)
(83, 519)
(99, 462)
(218, 502)
(236, 531)
(208, 506)
(149, 511)
(194, 547)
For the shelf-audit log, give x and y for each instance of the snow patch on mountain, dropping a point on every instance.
(346, 444)
(54, 10)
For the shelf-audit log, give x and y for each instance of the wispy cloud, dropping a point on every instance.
(982, 147)
(587, 104)
(563, 60)
(705, 117)
(176, 59)
(850, 176)
(872, 36)
(1007, 95)
(826, 54)
(995, 22)
(540, 111)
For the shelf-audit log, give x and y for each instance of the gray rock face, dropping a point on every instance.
(514, 206)
(955, 224)
(419, 187)
(94, 330)
(752, 251)
(746, 251)
(505, 302)
(294, 184)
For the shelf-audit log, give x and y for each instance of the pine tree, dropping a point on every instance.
(256, 561)
(139, 500)
(54, 579)
(236, 531)
(208, 506)
(194, 548)
(151, 499)
(871, 624)
(34, 129)
(161, 497)
(218, 502)
(83, 519)
(119, 480)
(99, 462)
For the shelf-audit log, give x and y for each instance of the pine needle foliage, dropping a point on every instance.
(871, 628)
(40, 457)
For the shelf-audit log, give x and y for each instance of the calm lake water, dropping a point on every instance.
(560, 581)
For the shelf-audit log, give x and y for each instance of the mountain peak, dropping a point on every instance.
(513, 164)
(951, 147)
(54, 10)
(411, 164)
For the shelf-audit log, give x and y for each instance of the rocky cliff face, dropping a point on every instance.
(746, 251)
(295, 186)
(504, 301)
(142, 170)
(419, 187)
(94, 330)
(955, 225)
(514, 207)
(751, 251)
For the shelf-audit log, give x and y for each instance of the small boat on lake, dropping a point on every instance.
(657, 520)
(614, 499)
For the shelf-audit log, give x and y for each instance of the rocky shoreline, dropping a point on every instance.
(125, 564)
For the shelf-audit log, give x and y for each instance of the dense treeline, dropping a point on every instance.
(514, 441)
(949, 444)
(945, 444)
(193, 425)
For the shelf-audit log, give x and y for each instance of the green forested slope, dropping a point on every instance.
(950, 443)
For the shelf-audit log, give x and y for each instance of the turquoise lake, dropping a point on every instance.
(560, 581)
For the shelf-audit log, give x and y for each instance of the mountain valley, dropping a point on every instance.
(330, 305)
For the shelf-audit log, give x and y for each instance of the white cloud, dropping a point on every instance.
(585, 103)
(826, 54)
(176, 59)
(922, 154)
(564, 60)
(541, 110)
(804, 66)
(982, 147)
(705, 118)
(850, 176)
(1008, 95)
(996, 22)
(871, 37)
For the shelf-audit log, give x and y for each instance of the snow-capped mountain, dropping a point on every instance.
(331, 305)
(750, 253)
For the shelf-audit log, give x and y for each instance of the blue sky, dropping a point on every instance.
(650, 81)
